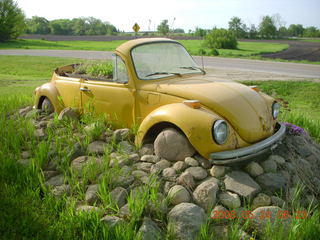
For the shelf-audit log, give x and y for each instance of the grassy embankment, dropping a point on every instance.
(29, 212)
(245, 49)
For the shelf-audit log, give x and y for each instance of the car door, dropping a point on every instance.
(68, 89)
(113, 97)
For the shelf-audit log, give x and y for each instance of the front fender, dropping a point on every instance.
(196, 124)
(49, 91)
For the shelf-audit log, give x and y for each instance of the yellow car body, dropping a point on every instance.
(161, 100)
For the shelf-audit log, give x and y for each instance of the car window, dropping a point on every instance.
(120, 74)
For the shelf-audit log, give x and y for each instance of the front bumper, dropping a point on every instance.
(252, 151)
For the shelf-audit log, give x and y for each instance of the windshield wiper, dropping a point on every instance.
(194, 68)
(162, 73)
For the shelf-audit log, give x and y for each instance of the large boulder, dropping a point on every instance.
(186, 220)
(205, 194)
(173, 145)
(178, 194)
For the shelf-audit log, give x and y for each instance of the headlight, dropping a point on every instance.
(220, 131)
(275, 109)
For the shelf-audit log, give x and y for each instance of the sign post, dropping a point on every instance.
(136, 28)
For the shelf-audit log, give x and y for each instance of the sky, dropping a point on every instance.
(185, 14)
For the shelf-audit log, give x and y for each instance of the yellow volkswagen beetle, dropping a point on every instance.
(157, 85)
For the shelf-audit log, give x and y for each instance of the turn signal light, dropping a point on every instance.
(192, 103)
(255, 88)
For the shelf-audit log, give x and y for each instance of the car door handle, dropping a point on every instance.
(84, 89)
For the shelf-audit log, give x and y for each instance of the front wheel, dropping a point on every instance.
(47, 106)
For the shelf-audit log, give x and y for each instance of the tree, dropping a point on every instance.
(178, 30)
(283, 32)
(237, 27)
(252, 33)
(61, 27)
(12, 20)
(38, 25)
(295, 30)
(311, 32)
(267, 28)
(163, 27)
(199, 32)
(221, 38)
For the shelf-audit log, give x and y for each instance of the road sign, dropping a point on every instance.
(136, 27)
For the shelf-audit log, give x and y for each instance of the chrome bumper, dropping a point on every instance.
(246, 153)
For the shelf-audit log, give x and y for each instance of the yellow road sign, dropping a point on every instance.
(136, 27)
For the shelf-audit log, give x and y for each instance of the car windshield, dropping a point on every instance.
(159, 60)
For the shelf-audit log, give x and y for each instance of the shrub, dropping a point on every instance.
(221, 38)
(104, 69)
(214, 52)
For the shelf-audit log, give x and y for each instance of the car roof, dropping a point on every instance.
(126, 47)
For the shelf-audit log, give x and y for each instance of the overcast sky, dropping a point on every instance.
(188, 14)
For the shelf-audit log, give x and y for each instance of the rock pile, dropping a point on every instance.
(190, 188)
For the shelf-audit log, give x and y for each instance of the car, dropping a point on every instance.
(157, 85)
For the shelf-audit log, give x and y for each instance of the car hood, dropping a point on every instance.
(245, 109)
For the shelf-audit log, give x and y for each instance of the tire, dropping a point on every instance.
(47, 106)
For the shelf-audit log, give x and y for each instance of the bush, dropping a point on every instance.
(12, 20)
(104, 69)
(221, 39)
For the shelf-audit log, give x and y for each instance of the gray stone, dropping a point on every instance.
(276, 201)
(24, 162)
(242, 184)
(186, 179)
(87, 208)
(269, 166)
(40, 133)
(205, 194)
(124, 211)
(217, 171)
(139, 174)
(55, 181)
(203, 162)
(197, 172)
(215, 214)
(122, 180)
(68, 114)
(191, 162)
(25, 155)
(24, 111)
(261, 200)
(92, 194)
(80, 162)
(146, 149)
(272, 182)
(254, 169)
(49, 174)
(119, 196)
(61, 190)
(278, 159)
(149, 230)
(163, 164)
(167, 186)
(178, 194)
(33, 113)
(144, 166)
(169, 174)
(134, 157)
(229, 200)
(172, 145)
(126, 147)
(97, 147)
(186, 220)
(111, 221)
(150, 158)
(180, 166)
(121, 134)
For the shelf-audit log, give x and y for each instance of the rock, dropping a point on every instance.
(25, 155)
(76, 151)
(178, 194)
(162, 164)
(122, 181)
(144, 166)
(216, 214)
(269, 166)
(197, 172)
(86, 208)
(124, 211)
(40, 133)
(203, 162)
(272, 213)
(191, 162)
(139, 174)
(111, 221)
(80, 162)
(32, 114)
(119, 196)
(24, 162)
(186, 179)
(97, 147)
(24, 111)
(278, 159)
(172, 145)
(217, 171)
(61, 190)
(186, 220)
(254, 169)
(126, 147)
(134, 157)
(167, 186)
(180, 166)
(149, 230)
(92, 194)
(55, 181)
(242, 184)
(51, 166)
(68, 114)
(272, 182)
(150, 158)
(205, 194)
(118, 159)
(121, 134)
(49, 174)
(169, 174)
(42, 124)
(261, 200)
(276, 201)
(229, 200)
(146, 149)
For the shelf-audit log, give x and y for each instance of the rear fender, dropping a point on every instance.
(48, 90)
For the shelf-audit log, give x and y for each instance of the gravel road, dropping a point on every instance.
(254, 69)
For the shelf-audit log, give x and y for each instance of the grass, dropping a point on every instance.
(29, 211)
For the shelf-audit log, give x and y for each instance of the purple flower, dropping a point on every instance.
(294, 130)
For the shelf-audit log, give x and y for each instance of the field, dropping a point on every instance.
(29, 213)
(245, 49)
